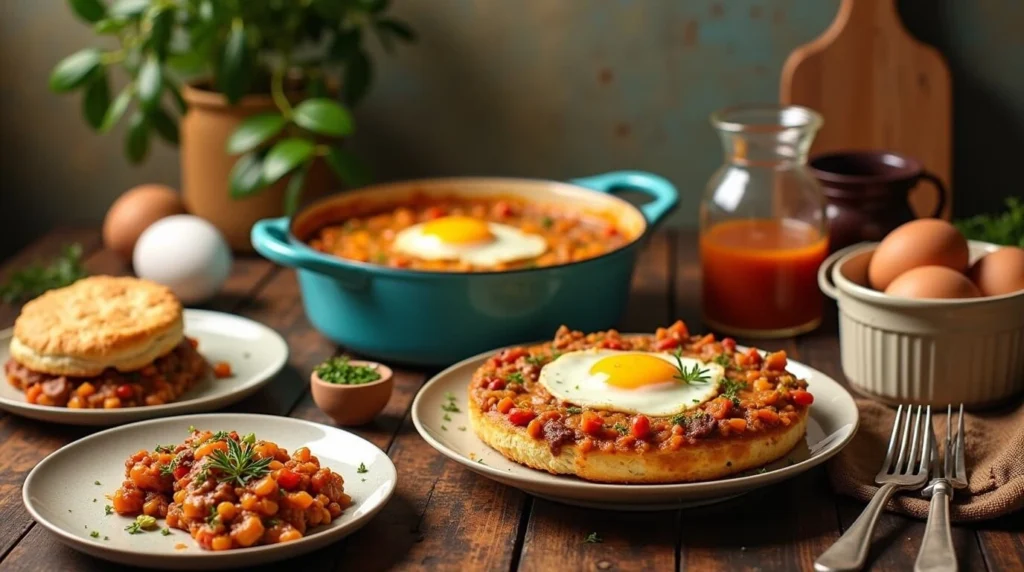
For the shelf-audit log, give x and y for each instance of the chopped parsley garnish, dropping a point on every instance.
(362, 468)
(106, 538)
(220, 436)
(621, 428)
(536, 360)
(447, 417)
(689, 375)
(481, 461)
(108, 509)
(250, 438)
(191, 428)
(679, 420)
(450, 407)
(723, 360)
(273, 522)
(443, 428)
(95, 534)
(380, 257)
(573, 410)
(168, 469)
(515, 377)
(142, 523)
(762, 470)
(462, 428)
(239, 464)
(593, 538)
(338, 370)
(449, 396)
(164, 448)
(97, 483)
(547, 222)
(731, 388)
(165, 531)
(212, 517)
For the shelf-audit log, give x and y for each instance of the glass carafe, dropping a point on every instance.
(763, 231)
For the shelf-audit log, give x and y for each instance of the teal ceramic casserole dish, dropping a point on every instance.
(437, 318)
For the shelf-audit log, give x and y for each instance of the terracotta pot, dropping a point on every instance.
(206, 166)
(353, 404)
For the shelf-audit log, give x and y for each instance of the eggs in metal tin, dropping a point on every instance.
(468, 240)
(629, 382)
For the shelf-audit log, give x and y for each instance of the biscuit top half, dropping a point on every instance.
(99, 316)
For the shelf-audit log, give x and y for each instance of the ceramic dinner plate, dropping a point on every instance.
(254, 351)
(832, 423)
(66, 492)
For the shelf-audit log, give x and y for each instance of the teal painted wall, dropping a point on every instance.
(538, 88)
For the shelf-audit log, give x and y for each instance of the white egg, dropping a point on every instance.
(185, 253)
(629, 382)
(468, 240)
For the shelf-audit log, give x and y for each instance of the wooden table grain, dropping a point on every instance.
(444, 517)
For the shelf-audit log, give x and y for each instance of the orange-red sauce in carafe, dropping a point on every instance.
(760, 276)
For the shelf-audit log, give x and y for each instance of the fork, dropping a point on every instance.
(900, 471)
(937, 553)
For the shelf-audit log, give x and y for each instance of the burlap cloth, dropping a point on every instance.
(994, 444)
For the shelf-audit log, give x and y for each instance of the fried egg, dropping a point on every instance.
(468, 240)
(629, 381)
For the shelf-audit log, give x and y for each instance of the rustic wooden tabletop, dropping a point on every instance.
(444, 517)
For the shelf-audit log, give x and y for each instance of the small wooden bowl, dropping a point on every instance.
(353, 404)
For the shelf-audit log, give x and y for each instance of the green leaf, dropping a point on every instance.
(88, 10)
(324, 117)
(236, 66)
(150, 83)
(160, 35)
(164, 125)
(136, 142)
(247, 176)
(357, 76)
(316, 87)
(284, 157)
(345, 44)
(73, 70)
(129, 8)
(348, 167)
(293, 192)
(96, 100)
(116, 110)
(189, 63)
(254, 132)
(175, 90)
(374, 6)
(109, 27)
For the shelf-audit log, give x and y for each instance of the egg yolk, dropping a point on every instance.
(458, 230)
(632, 371)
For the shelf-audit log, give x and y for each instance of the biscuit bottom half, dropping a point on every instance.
(162, 381)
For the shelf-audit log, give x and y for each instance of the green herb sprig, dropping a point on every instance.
(239, 464)
(1006, 228)
(37, 278)
(340, 371)
(689, 375)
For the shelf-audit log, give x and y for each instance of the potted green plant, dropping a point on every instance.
(262, 89)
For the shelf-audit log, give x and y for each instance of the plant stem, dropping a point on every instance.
(277, 91)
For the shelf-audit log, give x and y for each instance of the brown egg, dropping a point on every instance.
(1000, 272)
(923, 242)
(932, 282)
(134, 211)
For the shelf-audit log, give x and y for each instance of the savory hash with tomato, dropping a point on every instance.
(230, 491)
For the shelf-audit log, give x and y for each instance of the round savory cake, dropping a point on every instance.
(664, 408)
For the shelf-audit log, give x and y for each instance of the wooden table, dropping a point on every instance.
(446, 518)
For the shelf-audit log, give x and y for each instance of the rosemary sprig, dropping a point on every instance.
(239, 464)
(689, 375)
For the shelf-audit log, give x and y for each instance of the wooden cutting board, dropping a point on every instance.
(877, 88)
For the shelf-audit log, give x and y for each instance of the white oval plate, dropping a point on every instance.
(256, 353)
(59, 492)
(832, 424)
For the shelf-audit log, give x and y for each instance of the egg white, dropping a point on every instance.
(507, 244)
(568, 378)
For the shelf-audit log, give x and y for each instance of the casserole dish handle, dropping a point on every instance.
(270, 238)
(664, 193)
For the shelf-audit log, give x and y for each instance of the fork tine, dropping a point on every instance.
(947, 470)
(961, 469)
(903, 442)
(892, 439)
(926, 442)
(912, 457)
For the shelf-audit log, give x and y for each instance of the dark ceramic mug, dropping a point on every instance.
(868, 191)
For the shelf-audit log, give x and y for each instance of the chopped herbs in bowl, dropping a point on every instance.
(342, 371)
(351, 392)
